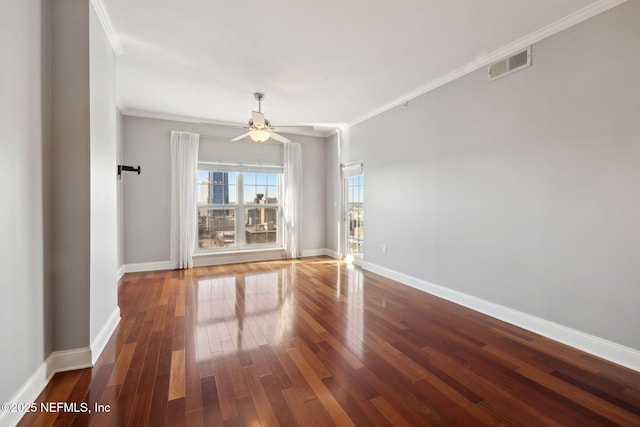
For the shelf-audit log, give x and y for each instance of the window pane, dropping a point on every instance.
(256, 189)
(261, 225)
(216, 227)
(203, 187)
(272, 194)
(355, 194)
(214, 187)
(233, 194)
(250, 193)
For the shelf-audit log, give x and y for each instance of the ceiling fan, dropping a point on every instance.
(260, 129)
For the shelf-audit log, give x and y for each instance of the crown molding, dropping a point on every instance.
(562, 24)
(323, 130)
(105, 20)
(175, 117)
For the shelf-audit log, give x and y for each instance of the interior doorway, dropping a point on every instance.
(354, 212)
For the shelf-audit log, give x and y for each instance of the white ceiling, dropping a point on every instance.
(318, 62)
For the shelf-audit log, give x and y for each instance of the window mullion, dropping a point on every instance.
(280, 204)
(240, 234)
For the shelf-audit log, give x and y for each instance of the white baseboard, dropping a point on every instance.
(597, 346)
(61, 361)
(101, 340)
(147, 266)
(120, 272)
(58, 361)
(234, 257)
(69, 360)
(27, 393)
(220, 258)
(313, 252)
(320, 252)
(333, 254)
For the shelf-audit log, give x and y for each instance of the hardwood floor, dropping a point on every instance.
(317, 343)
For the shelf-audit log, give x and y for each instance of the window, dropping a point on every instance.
(355, 215)
(238, 206)
(353, 191)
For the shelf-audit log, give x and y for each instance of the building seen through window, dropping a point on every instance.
(238, 209)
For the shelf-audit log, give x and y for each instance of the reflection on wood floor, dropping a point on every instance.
(317, 342)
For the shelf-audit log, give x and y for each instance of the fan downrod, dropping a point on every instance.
(259, 96)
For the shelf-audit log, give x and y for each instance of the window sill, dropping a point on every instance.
(201, 259)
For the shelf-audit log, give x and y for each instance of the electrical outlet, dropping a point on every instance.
(384, 248)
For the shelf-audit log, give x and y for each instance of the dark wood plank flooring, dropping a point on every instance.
(315, 342)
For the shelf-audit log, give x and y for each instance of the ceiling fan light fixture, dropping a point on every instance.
(259, 135)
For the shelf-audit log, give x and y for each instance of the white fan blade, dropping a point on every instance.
(239, 137)
(258, 119)
(279, 137)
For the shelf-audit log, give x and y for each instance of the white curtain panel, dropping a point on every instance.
(184, 169)
(292, 195)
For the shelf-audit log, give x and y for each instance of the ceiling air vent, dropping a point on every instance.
(509, 65)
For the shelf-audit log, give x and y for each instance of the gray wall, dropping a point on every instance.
(23, 117)
(70, 159)
(47, 173)
(523, 191)
(120, 190)
(147, 197)
(57, 157)
(104, 198)
(333, 225)
(314, 192)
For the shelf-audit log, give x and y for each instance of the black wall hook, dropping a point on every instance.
(127, 169)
